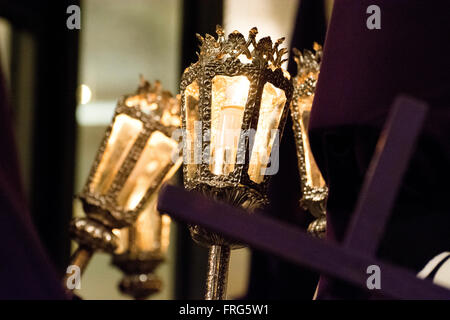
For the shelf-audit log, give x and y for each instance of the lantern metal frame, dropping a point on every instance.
(314, 198)
(258, 74)
(96, 205)
(221, 57)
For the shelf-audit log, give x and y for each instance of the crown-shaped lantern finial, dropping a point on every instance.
(308, 67)
(264, 52)
(160, 104)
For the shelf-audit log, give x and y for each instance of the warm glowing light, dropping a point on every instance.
(272, 105)
(85, 94)
(147, 227)
(229, 97)
(165, 232)
(148, 108)
(286, 74)
(244, 59)
(313, 174)
(150, 232)
(122, 235)
(148, 171)
(123, 135)
(191, 102)
(169, 119)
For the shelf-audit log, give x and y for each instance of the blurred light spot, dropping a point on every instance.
(97, 113)
(85, 94)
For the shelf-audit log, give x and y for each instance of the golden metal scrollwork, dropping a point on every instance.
(313, 186)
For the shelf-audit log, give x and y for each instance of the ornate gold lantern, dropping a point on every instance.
(233, 112)
(313, 186)
(134, 158)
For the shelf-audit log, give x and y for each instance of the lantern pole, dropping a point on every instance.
(216, 282)
(80, 258)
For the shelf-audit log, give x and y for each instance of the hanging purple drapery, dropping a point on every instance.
(25, 270)
(362, 71)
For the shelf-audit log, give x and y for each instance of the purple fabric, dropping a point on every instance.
(25, 270)
(362, 72)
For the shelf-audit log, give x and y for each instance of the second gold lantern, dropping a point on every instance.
(313, 186)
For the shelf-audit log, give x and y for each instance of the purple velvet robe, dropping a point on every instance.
(25, 270)
(362, 72)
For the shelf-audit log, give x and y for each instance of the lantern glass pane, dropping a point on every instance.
(150, 232)
(193, 127)
(313, 175)
(228, 100)
(272, 105)
(156, 156)
(124, 133)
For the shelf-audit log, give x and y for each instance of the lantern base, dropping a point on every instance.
(139, 280)
(140, 286)
(219, 246)
(318, 227)
(314, 200)
(240, 196)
